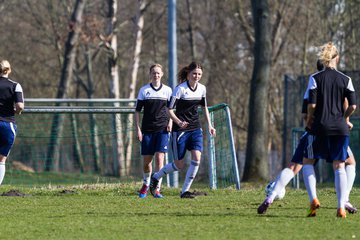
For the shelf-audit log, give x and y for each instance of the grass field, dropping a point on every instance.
(113, 211)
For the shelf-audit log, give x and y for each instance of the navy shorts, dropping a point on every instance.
(327, 147)
(182, 141)
(300, 149)
(7, 137)
(155, 142)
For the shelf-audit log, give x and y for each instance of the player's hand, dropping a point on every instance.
(350, 125)
(139, 135)
(183, 124)
(212, 131)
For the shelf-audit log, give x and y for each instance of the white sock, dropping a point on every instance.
(350, 174)
(168, 168)
(146, 178)
(2, 171)
(282, 180)
(159, 185)
(310, 180)
(190, 175)
(341, 186)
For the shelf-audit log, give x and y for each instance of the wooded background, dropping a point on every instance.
(103, 49)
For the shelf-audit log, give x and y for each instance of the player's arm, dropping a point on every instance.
(181, 124)
(212, 130)
(171, 109)
(350, 96)
(169, 126)
(139, 106)
(19, 107)
(310, 115)
(346, 105)
(312, 95)
(19, 99)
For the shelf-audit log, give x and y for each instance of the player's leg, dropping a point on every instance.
(178, 145)
(312, 151)
(195, 144)
(2, 168)
(350, 168)
(286, 174)
(284, 178)
(161, 147)
(192, 170)
(310, 184)
(147, 169)
(159, 164)
(147, 153)
(340, 186)
(7, 138)
(338, 154)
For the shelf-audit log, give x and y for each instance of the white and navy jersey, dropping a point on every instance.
(186, 102)
(306, 95)
(328, 90)
(154, 101)
(10, 93)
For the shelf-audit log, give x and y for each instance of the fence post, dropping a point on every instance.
(232, 145)
(212, 158)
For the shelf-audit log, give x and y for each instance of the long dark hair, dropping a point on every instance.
(182, 75)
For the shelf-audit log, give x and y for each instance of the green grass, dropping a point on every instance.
(113, 211)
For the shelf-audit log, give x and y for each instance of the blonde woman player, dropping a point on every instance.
(11, 103)
(156, 125)
(328, 120)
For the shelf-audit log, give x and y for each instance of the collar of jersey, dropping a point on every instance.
(187, 82)
(155, 88)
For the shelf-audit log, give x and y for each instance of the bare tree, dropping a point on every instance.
(119, 155)
(256, 166)
(66, 77)
(139, 25)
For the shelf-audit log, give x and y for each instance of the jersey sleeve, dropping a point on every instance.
(203, 102)
(176, 94)
(19, 96)
(312, 88)
(350, 93)
(139, 101)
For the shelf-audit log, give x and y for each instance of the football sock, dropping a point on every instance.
(2, 171)
(146, 178)
(350, 174)
(168, 168)
(159, 185)
(190, 175)
(282, 180)
(341, 186)
(310, 180)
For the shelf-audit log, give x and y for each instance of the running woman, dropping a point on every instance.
(11, 103)
(187, 133)
(328, 120)
(155, 129)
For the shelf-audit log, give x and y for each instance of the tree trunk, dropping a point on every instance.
(52, 160)
(191, 33)
(256, 165)
(95, 142)
(118, 153)
(134, 74)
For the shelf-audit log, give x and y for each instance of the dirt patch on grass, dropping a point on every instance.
(66, 191)
(14, 193)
